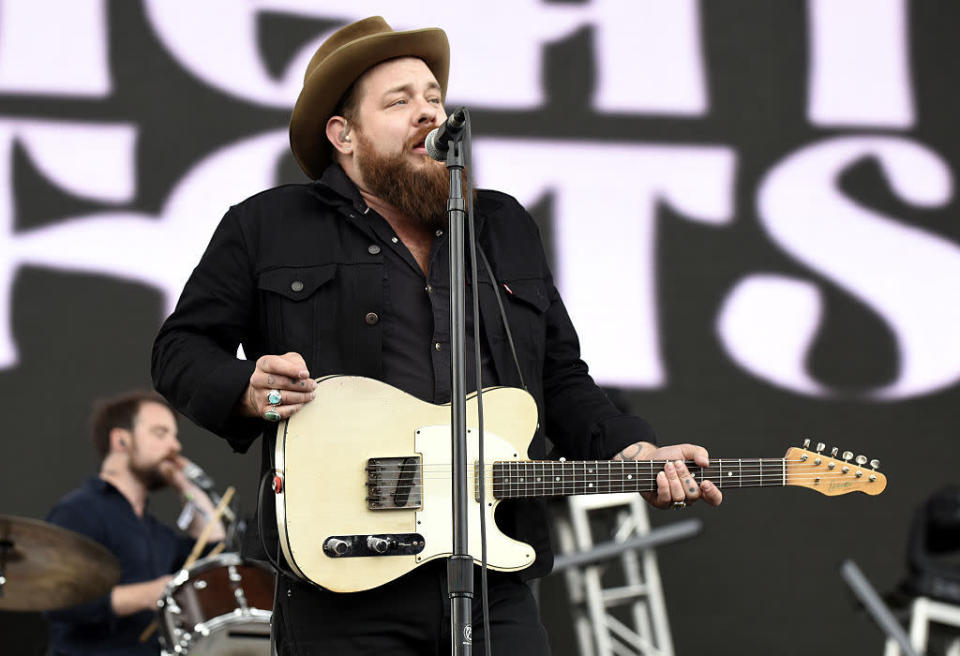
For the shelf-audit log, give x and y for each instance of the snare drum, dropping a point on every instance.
(221, 605)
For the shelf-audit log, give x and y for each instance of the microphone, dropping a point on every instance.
(436, 141)
(203, 481)
(198, 477)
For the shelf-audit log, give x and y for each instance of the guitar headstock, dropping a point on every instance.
(834, 473)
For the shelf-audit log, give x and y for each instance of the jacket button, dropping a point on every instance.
(373, 249)
(297, 285)
(371, 318)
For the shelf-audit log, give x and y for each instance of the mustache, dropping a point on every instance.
(421, 136)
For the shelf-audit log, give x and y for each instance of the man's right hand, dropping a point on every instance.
(286, 374)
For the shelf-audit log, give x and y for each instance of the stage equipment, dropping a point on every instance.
(628, 553)
(220, 605)
(932, 585)
(45, 567)
(878, 610)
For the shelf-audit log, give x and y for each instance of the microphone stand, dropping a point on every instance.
(460, 563)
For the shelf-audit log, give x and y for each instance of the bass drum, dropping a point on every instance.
(219, 606)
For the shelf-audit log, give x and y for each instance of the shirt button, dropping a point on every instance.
(429, 289)
(373, 249)
(297, 285)
(439, 233)
(371, 318)
(394, 240)
(437, 346)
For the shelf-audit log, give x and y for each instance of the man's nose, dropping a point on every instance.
(429, 113)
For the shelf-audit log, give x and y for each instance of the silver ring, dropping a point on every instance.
(271, 415)
(274, 397)
(677, 505)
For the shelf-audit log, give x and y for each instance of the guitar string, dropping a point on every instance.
(773, 477)
(715, 462)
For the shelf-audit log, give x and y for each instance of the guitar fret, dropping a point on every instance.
(511, 479)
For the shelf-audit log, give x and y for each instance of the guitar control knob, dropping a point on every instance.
(378, 545)
(336, 547)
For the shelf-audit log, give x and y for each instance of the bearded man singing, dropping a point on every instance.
(349, 274)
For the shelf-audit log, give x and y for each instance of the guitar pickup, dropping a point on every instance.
(394, 483)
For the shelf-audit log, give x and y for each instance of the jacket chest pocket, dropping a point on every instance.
(525, 301)
(300, 308)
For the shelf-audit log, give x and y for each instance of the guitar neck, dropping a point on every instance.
(543, 478)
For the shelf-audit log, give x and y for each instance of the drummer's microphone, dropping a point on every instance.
(203, 481)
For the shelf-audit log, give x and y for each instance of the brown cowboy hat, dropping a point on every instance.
(344, 57)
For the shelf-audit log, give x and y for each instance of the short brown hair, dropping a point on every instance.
(118, 412)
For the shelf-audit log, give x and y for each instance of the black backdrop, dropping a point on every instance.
(83, 306)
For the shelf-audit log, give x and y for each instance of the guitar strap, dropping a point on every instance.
(503, 314)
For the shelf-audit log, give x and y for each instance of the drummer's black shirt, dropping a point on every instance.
(145, 548)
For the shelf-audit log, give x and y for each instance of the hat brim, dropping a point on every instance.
(327, 83)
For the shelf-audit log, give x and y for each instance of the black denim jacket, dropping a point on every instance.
(293, 269)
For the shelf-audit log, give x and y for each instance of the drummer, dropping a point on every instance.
(135, 434)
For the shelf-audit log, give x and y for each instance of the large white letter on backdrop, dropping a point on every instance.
(909, 276)
(859, 72)
(51, 47)
(648, 54)
(157, 250)
(606, 199)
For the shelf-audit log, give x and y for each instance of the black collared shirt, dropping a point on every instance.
(146, 550)
(416, 310)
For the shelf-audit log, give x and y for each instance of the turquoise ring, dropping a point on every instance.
(274, 397)
(271, 415)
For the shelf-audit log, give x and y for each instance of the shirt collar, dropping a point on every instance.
(335, 182)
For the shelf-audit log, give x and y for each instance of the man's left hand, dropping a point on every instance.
(675, 484)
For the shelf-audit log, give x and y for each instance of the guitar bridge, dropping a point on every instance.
(394, 483)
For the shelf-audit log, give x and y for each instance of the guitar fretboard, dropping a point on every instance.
(540, 478)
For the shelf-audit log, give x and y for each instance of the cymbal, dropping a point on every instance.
(48, 567)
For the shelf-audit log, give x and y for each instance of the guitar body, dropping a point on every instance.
(323, 456)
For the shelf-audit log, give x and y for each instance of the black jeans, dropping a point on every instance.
(410, 615)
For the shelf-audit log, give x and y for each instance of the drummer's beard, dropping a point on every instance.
(150, 476)
(418, 191)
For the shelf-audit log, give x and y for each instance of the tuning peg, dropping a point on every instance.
(875, 464)
(833, 452)
(861, 460)
(806, 443)
(820, 446)
(847, 455)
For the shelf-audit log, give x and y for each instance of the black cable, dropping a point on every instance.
(503, 317)
(478, 371)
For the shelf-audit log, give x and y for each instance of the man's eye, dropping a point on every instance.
(399, 101)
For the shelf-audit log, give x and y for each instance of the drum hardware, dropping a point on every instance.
(220, 605)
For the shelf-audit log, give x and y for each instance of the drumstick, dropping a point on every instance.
(197, 550)
(205, 533)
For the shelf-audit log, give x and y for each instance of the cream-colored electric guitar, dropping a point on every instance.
(363, 484)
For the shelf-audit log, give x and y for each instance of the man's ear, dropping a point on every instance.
(338, 134)
(119, 439)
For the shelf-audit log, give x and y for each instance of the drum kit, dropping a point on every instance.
(218, 605)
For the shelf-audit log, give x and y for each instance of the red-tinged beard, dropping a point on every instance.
(418, 191)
